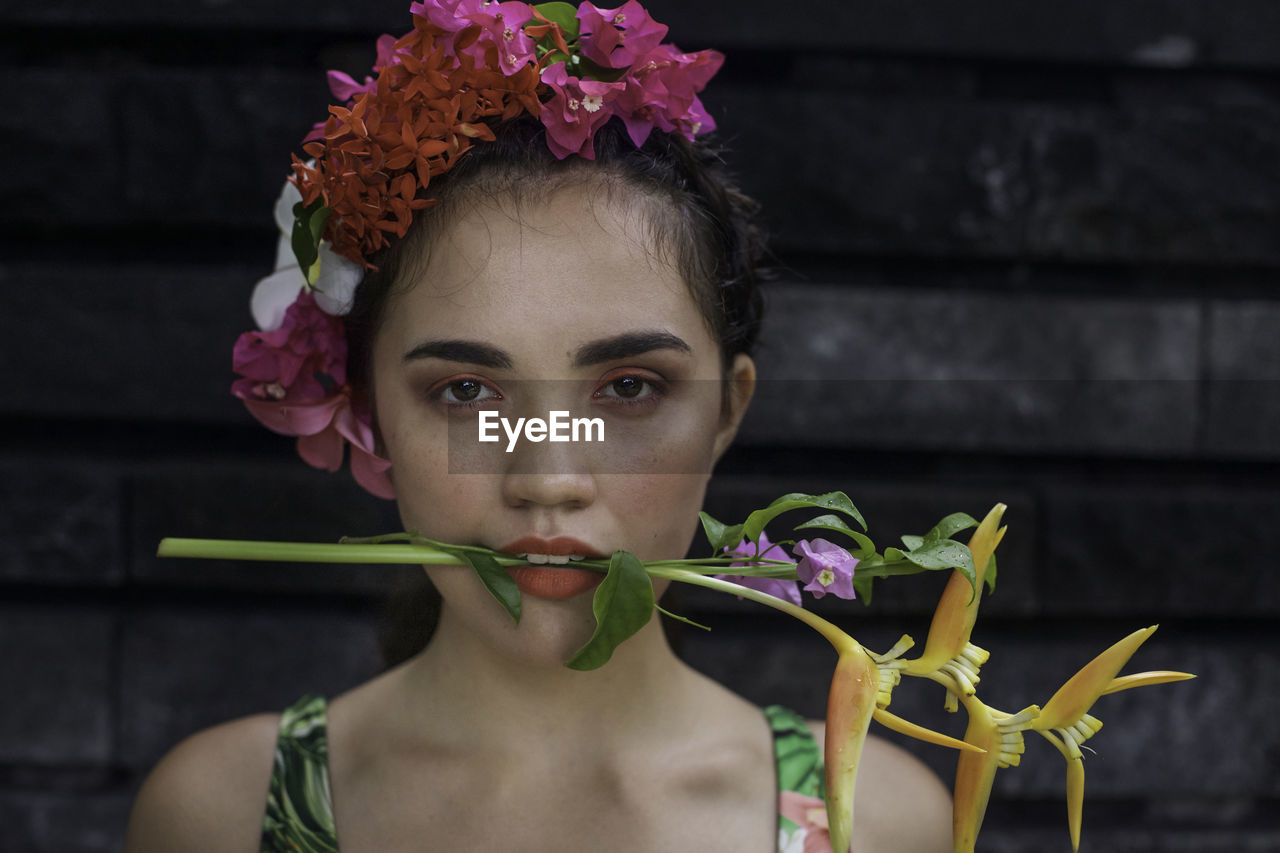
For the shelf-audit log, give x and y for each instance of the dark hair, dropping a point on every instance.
(696, 216)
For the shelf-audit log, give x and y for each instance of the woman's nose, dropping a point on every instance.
(548, 474)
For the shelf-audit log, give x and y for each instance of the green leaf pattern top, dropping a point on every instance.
(299, 815)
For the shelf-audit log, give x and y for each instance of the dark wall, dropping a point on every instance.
(1030, 256)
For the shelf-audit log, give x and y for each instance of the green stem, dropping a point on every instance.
(380, 549)
(312, 552)
(833, 635)
(389, 553)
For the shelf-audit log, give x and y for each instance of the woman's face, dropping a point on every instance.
(564, 307)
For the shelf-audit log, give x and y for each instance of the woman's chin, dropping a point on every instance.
(556, 619)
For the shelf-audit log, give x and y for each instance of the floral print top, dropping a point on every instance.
(299, 816)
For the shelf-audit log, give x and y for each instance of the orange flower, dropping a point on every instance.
(379, 153)
(1067, 712)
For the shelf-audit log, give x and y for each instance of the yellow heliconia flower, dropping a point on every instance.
(891, 667)
(861, 689)
(1145, 679)
(850, 705)
(1000, 736)
(948, 650)
(1065, 720)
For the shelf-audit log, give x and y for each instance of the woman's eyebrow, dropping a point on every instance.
(627, 345)
(469, 352)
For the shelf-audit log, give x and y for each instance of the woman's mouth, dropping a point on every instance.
(552, 583)
(553, 559)
(558, 550)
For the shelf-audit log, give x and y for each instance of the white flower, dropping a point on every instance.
(335, 284)
(793, 842)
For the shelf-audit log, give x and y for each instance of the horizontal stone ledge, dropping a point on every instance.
(1153, 33)
(70, 823)
(184, 669)
(1244, 366)
(60, 522)
(977, 371)
(283, 502)
(1167, 176)
(1138, 834)
(1202, 551)
(132, 340)
(57, 672)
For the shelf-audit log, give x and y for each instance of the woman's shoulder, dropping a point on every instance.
(901, 804)
(209, 793)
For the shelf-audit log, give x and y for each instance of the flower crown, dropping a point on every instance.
(467, 66)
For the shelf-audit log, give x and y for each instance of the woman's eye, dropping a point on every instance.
(466, 391)
(628, 386)
(630, 389)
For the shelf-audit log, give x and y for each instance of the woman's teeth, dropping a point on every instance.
(553, 559)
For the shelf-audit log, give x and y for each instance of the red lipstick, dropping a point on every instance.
(560, 581)
(557, 583)
(560, 546)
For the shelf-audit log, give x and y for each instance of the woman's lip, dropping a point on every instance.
(555, 583)
(559, 546)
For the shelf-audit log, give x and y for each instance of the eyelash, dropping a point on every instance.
(658, 389)
(439, 390)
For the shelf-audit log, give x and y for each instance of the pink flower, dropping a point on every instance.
(302, 361)
(615, 38)
(501, 24)
(294, 382)
(787, 590)
(323, 428)
(449, 15)
(662, 91)
(825, 567)
(577, 108)
(810, 814)
(345, 88)
(504, 30)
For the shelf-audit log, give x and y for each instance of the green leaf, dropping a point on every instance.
(564, 14)
(594, 71)
(557, 58)
(893, 555)
(720, 535)
(837, 525)
(623, 604)
(946, 554)
(494, 578)
(912, 542)
(991, 574)
(862, 586)
(889, 570)
(941, 554)
(950, 526)
(837, 501)
(308, 228)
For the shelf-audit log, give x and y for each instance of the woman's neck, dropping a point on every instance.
(487, 699)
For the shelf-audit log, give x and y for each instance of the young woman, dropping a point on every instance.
(621, 287)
